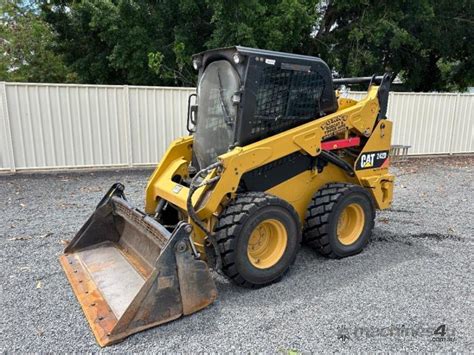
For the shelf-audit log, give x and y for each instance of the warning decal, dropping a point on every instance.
(334, 126)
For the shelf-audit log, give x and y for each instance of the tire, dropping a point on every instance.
(239, 230)
(352, 207)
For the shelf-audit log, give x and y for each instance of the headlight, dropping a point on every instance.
(237, 58)
(197, 63)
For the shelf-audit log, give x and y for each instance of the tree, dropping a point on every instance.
(130, 41)
(150, 42)
(454, 43)
(27, 46)
(427, 42)
(282, 25)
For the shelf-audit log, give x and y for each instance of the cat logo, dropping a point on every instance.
(367, 160)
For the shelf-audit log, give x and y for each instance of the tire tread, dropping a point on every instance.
(230, 224)
(316, 224)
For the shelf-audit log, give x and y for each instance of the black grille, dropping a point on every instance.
(285, 98)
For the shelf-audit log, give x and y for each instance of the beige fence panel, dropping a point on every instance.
(462, 132)
(62, 126)
(158, 115)
(6, 149)
(423, 121)
(431, 123)
(48, 126)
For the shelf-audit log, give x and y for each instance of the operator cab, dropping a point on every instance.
(246, 94)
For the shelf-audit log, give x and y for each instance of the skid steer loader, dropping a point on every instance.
(275, 157)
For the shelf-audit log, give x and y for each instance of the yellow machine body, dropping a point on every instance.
(353, 116)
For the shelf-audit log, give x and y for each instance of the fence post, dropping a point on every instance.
(5, 117)
(128, 125)
(453, 123)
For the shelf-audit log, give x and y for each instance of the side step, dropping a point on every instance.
(129, 273)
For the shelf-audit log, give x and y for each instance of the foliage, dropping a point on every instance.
(27, 46)
(427, 43)
(282, 25)
(130, 41)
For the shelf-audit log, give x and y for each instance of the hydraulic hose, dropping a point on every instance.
(334, 159)
(192, 212)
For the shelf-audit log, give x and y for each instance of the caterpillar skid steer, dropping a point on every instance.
(275, 158)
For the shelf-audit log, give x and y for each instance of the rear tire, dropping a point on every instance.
(339, 220)
(258, 237)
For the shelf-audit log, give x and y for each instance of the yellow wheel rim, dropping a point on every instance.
(350, 224)
(267, 244)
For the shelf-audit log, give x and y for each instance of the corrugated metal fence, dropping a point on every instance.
(44, 126)
(71, 126)
(431, 123)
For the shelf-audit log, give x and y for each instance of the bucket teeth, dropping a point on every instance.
(129, 273)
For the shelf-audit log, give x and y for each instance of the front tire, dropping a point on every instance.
(339, 220)
(258, 237)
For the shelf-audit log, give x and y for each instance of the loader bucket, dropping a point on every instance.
(130, 273)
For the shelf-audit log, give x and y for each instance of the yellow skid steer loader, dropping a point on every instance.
(275, 157)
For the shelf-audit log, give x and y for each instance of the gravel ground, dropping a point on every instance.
(414, 276)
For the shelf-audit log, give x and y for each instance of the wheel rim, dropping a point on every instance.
(350, 224)
(267, 244)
